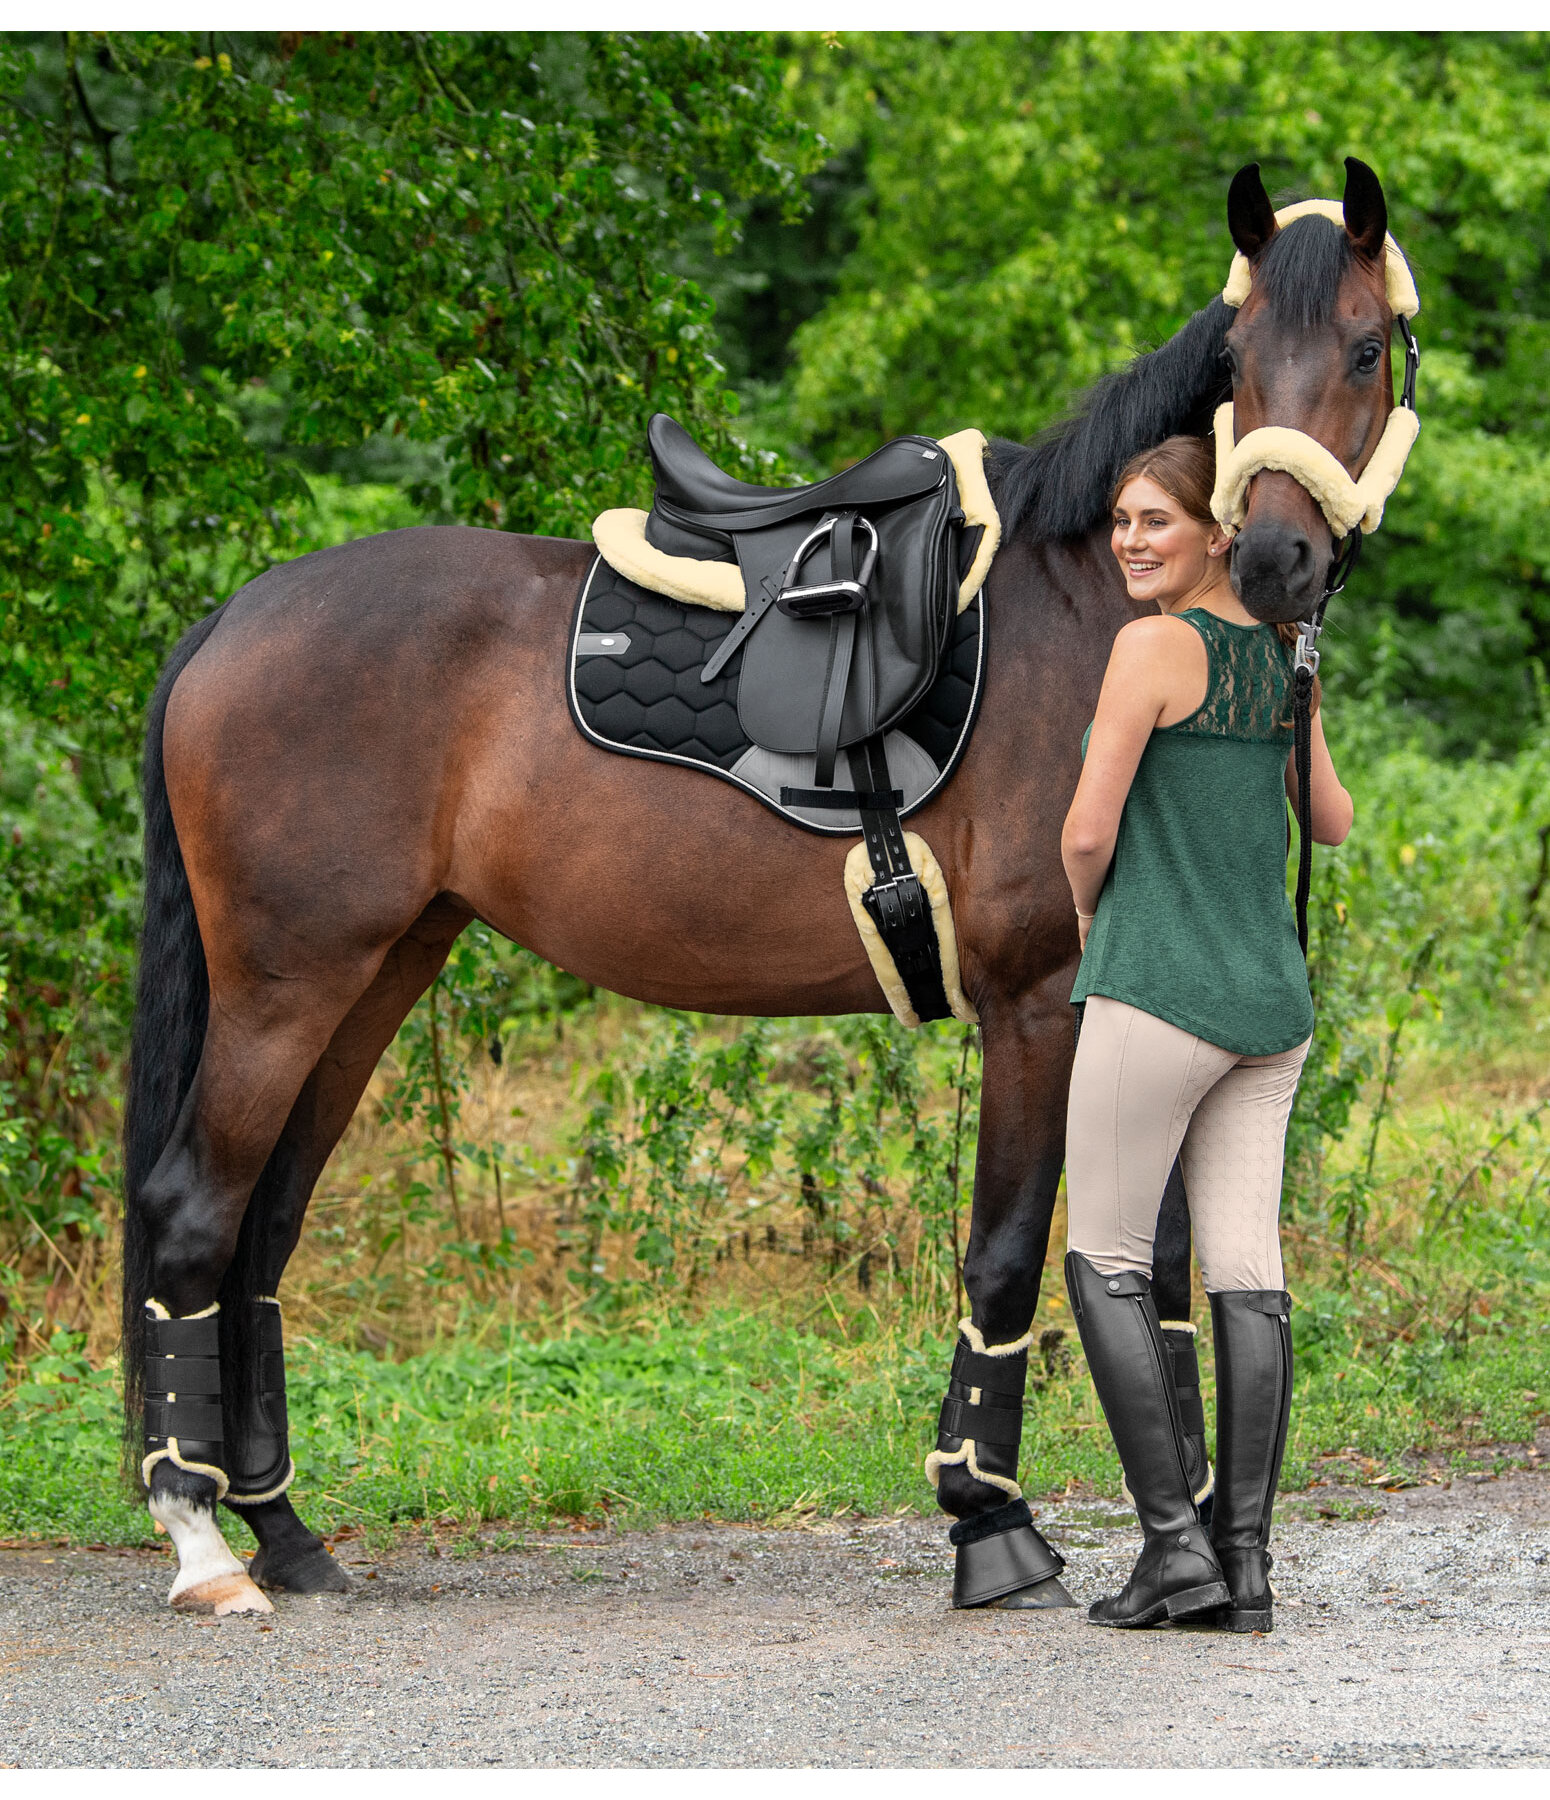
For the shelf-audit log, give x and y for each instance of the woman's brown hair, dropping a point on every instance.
(1185, 469)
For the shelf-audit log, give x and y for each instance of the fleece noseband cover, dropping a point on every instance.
(1344, 502)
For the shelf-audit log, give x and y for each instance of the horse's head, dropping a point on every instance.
(1309, 352)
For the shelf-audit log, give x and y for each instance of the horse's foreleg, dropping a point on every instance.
(290, 1556)
(1001, 1558)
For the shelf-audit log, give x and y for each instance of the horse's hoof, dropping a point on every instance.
(223, 1594)
(1043, 1596)
(309, 1571)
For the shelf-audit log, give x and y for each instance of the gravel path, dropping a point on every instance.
(1419, 1636)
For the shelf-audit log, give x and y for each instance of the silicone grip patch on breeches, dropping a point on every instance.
(981, 1421)
(183, 1421)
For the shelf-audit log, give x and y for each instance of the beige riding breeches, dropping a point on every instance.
(1144, 1091)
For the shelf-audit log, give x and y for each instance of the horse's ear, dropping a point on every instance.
(1366, 211)
(1250, 217)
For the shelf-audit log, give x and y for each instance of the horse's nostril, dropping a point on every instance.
(1294, 557)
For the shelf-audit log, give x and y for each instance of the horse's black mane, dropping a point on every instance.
(1058, 486)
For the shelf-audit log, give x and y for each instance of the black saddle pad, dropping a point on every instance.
(634, 686)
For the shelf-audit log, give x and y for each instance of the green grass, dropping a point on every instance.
(732, 1418)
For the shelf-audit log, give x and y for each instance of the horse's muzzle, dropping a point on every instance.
(1277, 572)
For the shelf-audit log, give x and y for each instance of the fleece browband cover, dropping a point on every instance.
(1400, 283)
(1342, 501)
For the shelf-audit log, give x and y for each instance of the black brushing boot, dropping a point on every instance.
(1179, 1341)
(1177, 1574)
(1253, 1335)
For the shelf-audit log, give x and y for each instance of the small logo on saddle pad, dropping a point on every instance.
(601, 643)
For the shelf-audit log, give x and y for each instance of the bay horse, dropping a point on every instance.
(367, 748)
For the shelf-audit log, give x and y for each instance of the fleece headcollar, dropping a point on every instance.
(1344, 503)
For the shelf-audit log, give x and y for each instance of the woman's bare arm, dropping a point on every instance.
(1333, 809)
(1156, 664)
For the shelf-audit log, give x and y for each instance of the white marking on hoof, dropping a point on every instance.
(225, 1594)
(208, 1573)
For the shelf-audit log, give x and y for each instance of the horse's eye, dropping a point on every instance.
(1367, 358)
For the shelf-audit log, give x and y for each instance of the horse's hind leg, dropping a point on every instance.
(265, 1035)
(289, 1555)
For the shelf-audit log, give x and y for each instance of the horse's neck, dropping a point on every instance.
(1054, 611)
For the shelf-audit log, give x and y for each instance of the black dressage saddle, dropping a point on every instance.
(851, 639)
(850, 585)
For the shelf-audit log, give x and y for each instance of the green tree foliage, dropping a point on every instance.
(1034, 209)
(225, 260)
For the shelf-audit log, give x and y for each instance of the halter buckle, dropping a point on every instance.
(1412, 361)
(1307, 646)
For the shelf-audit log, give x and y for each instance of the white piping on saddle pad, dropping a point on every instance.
(859, 876)
(1344, 503)
(620, 534)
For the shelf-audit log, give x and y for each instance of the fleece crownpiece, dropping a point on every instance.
(1404, 302)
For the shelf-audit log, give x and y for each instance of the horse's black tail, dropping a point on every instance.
(171, 1005)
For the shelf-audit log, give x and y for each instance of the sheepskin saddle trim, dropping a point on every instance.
(620, 535)
(1404, 301)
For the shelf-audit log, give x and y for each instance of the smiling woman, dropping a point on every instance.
(1197, 1017)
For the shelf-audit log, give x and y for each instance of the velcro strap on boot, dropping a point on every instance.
(979, 1526)
(1185, 1365)
(183, 1378)
(183, 1415)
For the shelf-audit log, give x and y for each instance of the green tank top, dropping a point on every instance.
(1194, 924)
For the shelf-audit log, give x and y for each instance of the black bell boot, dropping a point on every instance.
(1002, 1559)
(1253, 1334)
(1177, 1574)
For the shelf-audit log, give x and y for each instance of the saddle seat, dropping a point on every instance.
(691, 488)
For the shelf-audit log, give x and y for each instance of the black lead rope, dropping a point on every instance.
(1304, 670)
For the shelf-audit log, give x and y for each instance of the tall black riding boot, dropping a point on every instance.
(1177, 1574)
(1253, 1404)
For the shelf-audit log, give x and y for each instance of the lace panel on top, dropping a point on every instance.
(1249, 688)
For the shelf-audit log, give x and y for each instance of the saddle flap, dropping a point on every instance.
(911, 598)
